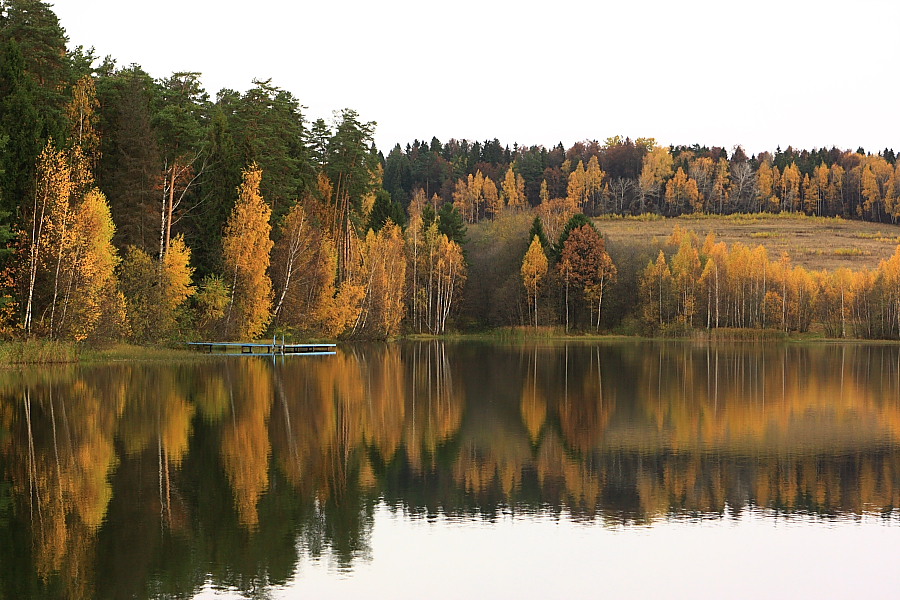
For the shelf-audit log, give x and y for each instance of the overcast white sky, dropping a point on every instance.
(766, 73)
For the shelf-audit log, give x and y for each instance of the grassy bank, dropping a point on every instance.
(130, 352)
(48, 352)
(38, 352)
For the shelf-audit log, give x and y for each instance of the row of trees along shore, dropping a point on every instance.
(140, 208)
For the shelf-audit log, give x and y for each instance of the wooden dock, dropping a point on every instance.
(263, 348)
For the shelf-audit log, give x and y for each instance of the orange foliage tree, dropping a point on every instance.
(534, 269)
(246, 246)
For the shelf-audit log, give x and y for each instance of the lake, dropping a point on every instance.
(450, 470)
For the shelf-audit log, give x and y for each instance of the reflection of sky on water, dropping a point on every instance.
(750, 556)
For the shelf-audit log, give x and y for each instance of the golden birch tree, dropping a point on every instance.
(593, 183)
(450, 276)
(766, 184)
(511, 194)
(534, 269)
(656, 291)
(790, 187)
(810, 194)
(822, 176)
(334, 309)
(82, 113)
(656, 168)
(682, 193)
(291, 254)
(721, 187)
(49, 223)
(493, 200)
(246, 247)
(384, 277)
(835, 193)
(544, 194)
(155, 291)
(576, 191)
(91, 297)
(686, 274)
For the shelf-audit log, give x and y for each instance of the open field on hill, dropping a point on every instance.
(813, 242)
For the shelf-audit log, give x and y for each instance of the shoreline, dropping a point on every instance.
(20, 354)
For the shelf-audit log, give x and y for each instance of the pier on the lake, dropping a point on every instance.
(263, 348)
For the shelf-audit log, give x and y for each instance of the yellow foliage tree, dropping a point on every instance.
(577, 190)
(49, 223)
(450, 276)
(656, 291)
(811, 194)
(334, 309)
(703, 171)
(493, 200)
(593, 183)
(384, 277)
(534, 269)
(469, 196)
(835, 194)
(246, 246)
(765, 184)
(291, 254)
(790, 187)
(82, 113)
(91, 296)
(682, 193)
(721, 189)
(656, 168)
(686, 274)
(178, 273)
(555, 214)
(155, 291)
(510, 188)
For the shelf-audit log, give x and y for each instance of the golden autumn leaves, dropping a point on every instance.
(477, 197)
(714, 285)
(76, 281)
(389, 275)
(534, 269)
(69, 269)
(246, 247)
(583, 264)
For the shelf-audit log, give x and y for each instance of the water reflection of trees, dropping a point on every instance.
(165, 477)
(695, 429)
(168, 476)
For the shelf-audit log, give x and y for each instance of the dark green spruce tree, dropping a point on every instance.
(20, 131)
(383, 209)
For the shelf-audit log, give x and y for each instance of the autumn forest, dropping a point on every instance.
(140, 208)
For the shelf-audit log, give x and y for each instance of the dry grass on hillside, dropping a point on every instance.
(814, 242)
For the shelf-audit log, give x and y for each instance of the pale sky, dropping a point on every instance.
(762, 74)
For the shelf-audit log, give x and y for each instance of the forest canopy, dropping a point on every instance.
(141, 207)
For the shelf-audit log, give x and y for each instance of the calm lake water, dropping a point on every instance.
(437, 470)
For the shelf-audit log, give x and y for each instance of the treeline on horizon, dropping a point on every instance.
(141, 208)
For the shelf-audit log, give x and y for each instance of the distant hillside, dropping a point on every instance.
(813, 242)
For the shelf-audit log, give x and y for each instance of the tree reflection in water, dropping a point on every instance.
(164, 477)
